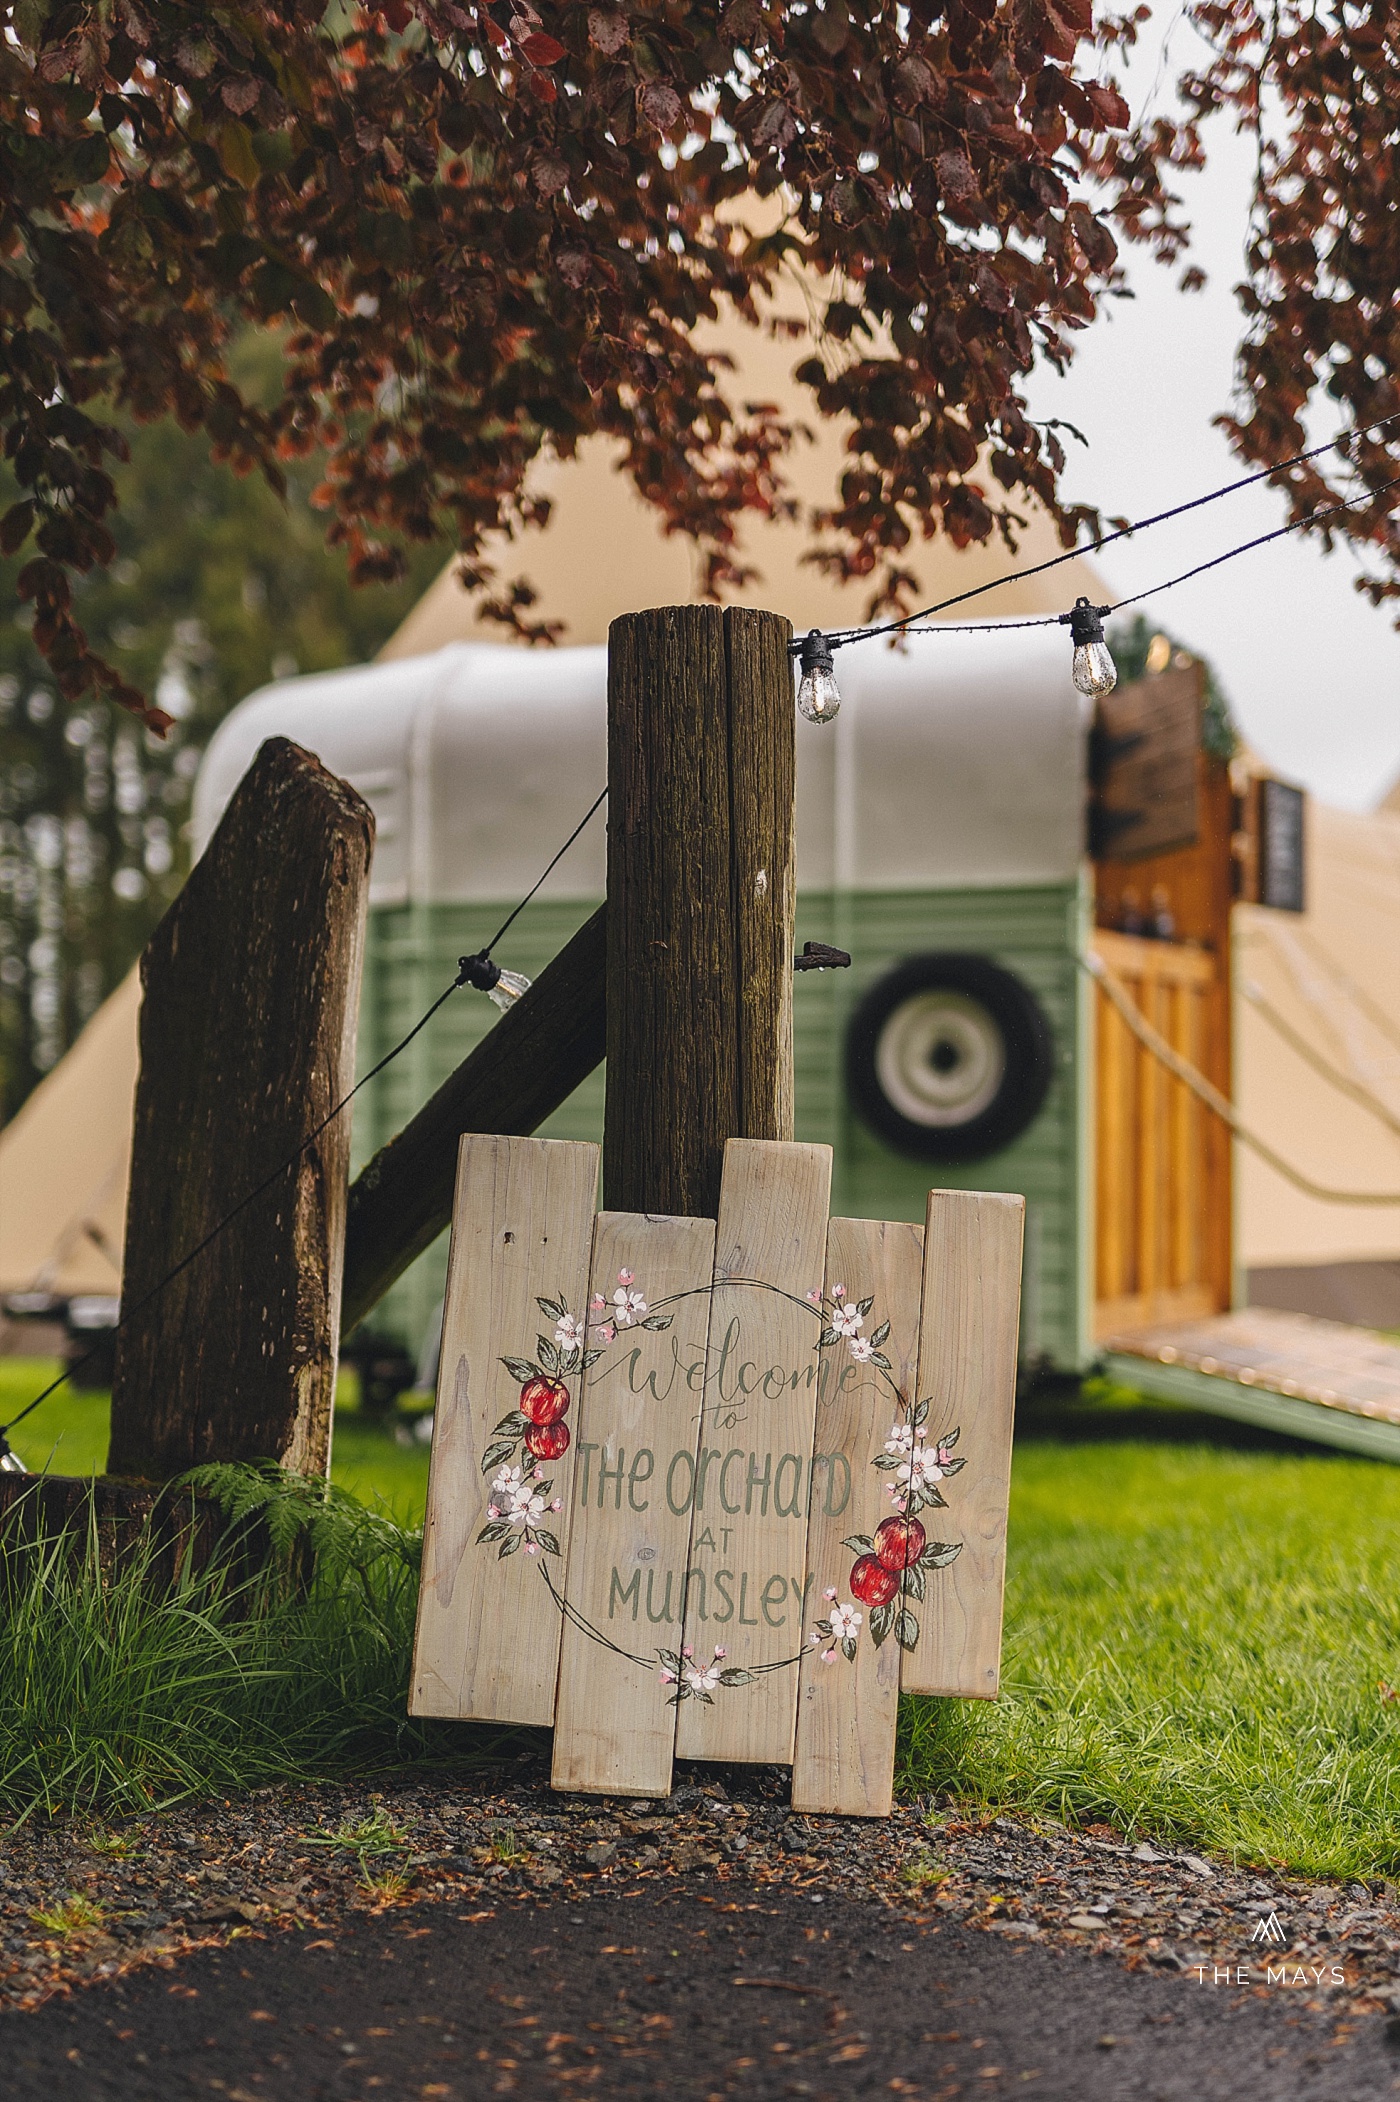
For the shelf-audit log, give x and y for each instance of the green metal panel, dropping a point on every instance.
(412, 953)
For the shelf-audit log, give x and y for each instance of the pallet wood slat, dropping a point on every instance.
(748, 1524)
(847, 1710)
(523, 1222)
(967, 1371)
(524, 1068)
(629, 1540)
(250, 998)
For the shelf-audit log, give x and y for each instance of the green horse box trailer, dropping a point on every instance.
(940, 842)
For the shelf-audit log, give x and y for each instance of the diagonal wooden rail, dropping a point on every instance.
(517, 1076)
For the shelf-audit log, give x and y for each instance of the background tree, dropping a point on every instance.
(217, 586)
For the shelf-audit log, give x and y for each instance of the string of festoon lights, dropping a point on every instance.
(1092, 667)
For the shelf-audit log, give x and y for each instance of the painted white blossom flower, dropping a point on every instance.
(920, 1468)
(845, 1621)
(830, 1592)
(526, 1507)
(862, 1349)
(506, 1481)
(569, 1333)
(604, 1332)
(847, 1320)
(625, 1277)
(828, 1656)
(598, 1302)
(900, 1439)
(630, 1306)
(838, 1291)
(703, 1678)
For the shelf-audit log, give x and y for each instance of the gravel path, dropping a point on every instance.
(469, 1938)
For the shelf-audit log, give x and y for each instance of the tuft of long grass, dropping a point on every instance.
(119, 1692)
(1199, 1645)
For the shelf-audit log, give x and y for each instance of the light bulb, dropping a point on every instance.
(483, 972)
(818, 696)
(1093, 671)
(507, 990)
(10, 1462)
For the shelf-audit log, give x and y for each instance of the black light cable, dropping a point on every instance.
(480, 971)
(1093, 669)
(837, 638)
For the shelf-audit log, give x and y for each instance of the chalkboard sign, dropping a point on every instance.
(1280, 846)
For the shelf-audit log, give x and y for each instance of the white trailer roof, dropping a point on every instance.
(957, 761)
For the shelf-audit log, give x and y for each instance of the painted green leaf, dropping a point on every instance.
(552, 1309)
(735, 1675)
(919, 1413)
(497, 1530)
(549, 1354)
(848, 1648)
(496, 1455)
(880, 1334)
(950, 1439)
(907, 1631)
(510, 1546)
(511, 1425)
(859, 1543)
(658, 1321)
(521, 1369)
(547, 1541)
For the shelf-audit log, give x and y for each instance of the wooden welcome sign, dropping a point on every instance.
(716, 1488)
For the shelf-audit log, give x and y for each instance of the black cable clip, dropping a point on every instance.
(481, 972)
(819, 956)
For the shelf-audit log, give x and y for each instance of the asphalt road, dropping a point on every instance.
(767, 1994)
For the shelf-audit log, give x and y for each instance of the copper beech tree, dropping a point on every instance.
(490, 230)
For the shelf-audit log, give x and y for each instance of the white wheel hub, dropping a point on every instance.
(940, 1058)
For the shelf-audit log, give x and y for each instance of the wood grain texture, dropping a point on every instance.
(847, 1711)
(701, 857)
(748, 1529)
(487, 1643)
(250, 999)
(967, 1372)
(763, 850)
(629, 1540)
(531, 1062)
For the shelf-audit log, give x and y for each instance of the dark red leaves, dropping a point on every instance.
(475, 265)
(608, 31)
(541, 50)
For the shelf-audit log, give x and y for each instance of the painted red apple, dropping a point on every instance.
(899, 1542)
(872, 1583)
(544, 1400)
(548, 1441)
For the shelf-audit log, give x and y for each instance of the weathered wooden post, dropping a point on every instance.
(251, 989)
(701, 897)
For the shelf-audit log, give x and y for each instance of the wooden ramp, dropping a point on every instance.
(1311, 1379)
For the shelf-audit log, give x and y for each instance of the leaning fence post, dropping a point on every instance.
(701, 899)
(251, 990)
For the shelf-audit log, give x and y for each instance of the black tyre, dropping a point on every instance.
(949, 1057)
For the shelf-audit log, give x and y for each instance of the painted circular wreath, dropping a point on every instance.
(949, 1057)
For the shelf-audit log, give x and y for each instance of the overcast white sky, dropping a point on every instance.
(1311, 669)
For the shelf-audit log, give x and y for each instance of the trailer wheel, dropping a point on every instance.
(949, 1057)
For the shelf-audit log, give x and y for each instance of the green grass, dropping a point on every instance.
(1195, 1639)
(1198, 1621)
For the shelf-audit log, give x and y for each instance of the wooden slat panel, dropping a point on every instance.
(1112, 1045)
(1170, 963)
(967, 1371)
(756, 1427)
(847, 1710)
(614, 1732)
(487, 1643)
